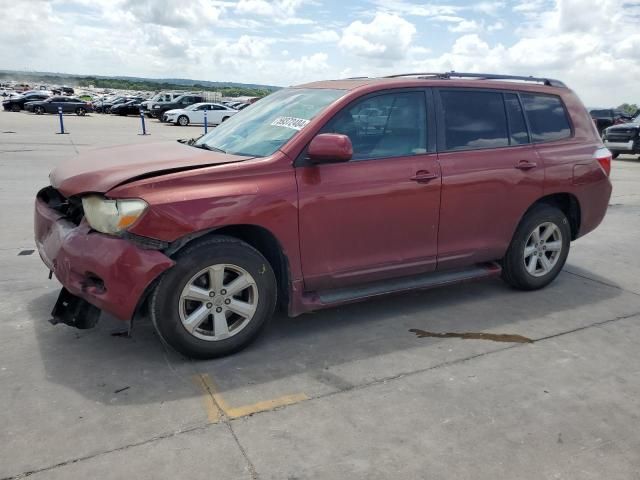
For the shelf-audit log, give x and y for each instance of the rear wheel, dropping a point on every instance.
(216, 299)
(81, 111)
(183, 120)
(224, 119)
(539, 249)
(38, 110)
(15, 108)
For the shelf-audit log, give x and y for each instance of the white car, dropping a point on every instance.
(216, 114)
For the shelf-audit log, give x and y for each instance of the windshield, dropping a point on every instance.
(260, 130)
(193, 107)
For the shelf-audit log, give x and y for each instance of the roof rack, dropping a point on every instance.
(483, 76)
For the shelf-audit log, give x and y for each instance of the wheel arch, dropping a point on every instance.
(259, 238)
(568, 204)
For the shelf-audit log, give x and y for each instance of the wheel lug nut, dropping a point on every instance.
(219, 309)
(209, 305)
(223, 292)
(227, 301)
(212, 294)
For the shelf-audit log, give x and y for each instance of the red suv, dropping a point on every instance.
(324, 194)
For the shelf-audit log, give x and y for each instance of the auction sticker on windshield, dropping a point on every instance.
(290, 122)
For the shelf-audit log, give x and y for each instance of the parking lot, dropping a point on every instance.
(348, 392)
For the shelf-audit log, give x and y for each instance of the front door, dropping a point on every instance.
(375, 216)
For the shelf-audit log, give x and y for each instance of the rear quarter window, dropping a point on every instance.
(547, 117)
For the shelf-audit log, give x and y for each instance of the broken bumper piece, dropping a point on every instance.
(74, 311)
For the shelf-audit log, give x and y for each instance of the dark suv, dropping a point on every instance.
(158, 109)
(623, 138)
(325, 194)
(605, 117)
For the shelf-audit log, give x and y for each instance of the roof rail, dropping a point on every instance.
(483, 76)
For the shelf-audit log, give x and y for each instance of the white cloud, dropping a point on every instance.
(186, 13)
(282, 12)
(386, 38)
(465, 26)
(319, 36)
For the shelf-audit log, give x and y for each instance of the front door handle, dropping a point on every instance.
(424, 176)
(526, 165)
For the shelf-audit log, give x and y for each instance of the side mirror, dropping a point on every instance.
(330, 147)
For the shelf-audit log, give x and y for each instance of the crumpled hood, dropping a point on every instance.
(103, 169)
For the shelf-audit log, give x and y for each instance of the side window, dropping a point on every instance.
(388, 125)
(474, 119)
(217, 107)
(517, 126)
(547, 117)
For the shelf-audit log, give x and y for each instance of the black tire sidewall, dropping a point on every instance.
(515, 271)
(165, 300)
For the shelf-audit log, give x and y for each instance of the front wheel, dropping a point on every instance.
(15, 108)
(216, 299)
(538, 250)
(38, 110)
(183, 120)
(81, 111)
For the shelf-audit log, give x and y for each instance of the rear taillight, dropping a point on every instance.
(603, 156)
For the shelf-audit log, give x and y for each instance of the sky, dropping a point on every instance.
(592, 45)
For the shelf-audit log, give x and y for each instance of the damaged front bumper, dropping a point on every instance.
(109, 273)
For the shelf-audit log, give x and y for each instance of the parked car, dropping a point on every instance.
(105, 106)
(292, 202)
(605, 117)
(131, 107)
(16, 103)
(158, 109)
(623, 138)
(162, 97)
(51, 105)
(216, 114)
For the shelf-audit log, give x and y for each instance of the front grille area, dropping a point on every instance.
(71, 208)
(621, 134)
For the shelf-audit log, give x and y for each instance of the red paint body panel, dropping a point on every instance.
(367, 220)
(338, 224)
(75, 256)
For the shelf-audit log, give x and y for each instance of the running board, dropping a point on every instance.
(414, 282)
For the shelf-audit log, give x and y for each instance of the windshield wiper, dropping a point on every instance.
(204, 146)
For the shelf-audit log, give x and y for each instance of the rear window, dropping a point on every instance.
(547, 117)
(474, 119)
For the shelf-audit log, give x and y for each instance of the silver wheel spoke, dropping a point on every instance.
(554, 246)
(548, 231)
(243, 309)
(238, 285)
(216, 278)
(194, 320)
(536, 235)
(528, 251)
(196, 293)
(220, 326)
(546, 264)
(533, 263)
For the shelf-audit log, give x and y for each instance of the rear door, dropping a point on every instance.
(491, 173)
(375, 216)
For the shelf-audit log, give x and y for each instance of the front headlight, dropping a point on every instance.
(156, 106)
(112, 216)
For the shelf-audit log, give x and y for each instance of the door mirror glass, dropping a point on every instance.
(330, 147)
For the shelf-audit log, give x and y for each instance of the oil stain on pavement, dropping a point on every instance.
(495, 337)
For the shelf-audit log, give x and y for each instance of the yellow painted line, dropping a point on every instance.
(214, 403)
(266, 405)
(213, 412)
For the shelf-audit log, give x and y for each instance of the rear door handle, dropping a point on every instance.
(424, 176)
(526, 165)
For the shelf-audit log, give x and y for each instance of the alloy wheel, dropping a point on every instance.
(542, 249)
(218, 302)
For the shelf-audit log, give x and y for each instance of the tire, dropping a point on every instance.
(15, 108)
(183, 121)
(530, 272)
(38, 110)
(81, 112)
(615, 155)
(224, 119)
(170, 311)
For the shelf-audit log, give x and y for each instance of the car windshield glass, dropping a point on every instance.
(193, 107)
(262, 129)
